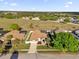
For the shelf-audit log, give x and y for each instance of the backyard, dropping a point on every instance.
(30, 24)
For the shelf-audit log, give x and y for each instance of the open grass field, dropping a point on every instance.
(30, 24)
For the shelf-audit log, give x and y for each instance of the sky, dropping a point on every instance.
(39, 5)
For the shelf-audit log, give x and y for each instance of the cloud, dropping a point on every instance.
(68, 4)
(13, 4)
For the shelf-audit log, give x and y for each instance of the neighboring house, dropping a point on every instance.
(35, 18)
(60, 20)
(1, 41)
(2, 33)
(14, 13)
(1, 29)
(38, 36)
(26, 18)
(76, 33)
(16, 34)
(74, 20)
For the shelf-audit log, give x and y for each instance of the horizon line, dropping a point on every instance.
(33, 11)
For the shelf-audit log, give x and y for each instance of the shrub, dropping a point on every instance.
(14, 27)
(66, 41)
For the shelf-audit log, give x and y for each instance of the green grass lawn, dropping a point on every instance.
(43, 47)
(46, 49)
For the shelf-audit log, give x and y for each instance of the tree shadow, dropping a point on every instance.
(14, 55)
(4, 52)
(6, 49)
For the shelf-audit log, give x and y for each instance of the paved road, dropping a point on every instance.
(5, 56)
(40, 56)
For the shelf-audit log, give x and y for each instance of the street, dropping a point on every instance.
(40, 56)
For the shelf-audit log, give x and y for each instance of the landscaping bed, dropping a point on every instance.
(17, 45)
(43, 47)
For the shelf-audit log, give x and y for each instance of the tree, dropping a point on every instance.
(73, 44)
(47, 42)
(31, 25)
(10, 16)
(66, 42)
(67, 19)
(14, 27)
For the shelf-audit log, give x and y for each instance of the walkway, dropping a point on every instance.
(33, 47)
(28, 36)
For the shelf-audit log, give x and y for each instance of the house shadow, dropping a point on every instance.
(14, 55)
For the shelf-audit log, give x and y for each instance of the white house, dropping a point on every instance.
(61, 20)
(35, 18)
(74, 20)
(26, 18)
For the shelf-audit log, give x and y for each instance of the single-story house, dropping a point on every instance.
(38, 36)
(2, 33)
(1, 41)
(61, 20)
(16, 34)
(35, 18)
(76, 33)
(74, 20)
(26, 18)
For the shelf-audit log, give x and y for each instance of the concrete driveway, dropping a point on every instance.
(33, 47)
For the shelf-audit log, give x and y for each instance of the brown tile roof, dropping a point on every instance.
(16, 34)
(37, 34)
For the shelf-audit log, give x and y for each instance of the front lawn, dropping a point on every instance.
(43, 47)
(17, 45)
(20, 45)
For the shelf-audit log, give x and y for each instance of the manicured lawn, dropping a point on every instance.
(1, 49)
(45, 49)
(21, 47)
